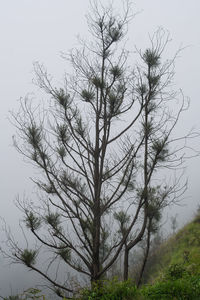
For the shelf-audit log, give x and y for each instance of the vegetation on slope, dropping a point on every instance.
(182, 248)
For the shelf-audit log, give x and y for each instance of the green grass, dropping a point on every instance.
(182, 248)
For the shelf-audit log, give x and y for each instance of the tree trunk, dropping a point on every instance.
(126, 253)
(145, 257)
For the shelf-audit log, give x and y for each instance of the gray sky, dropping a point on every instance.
(38, 30)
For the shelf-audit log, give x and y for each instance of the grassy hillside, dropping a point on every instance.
(182, 248)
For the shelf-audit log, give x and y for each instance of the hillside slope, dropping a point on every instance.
(182, 248)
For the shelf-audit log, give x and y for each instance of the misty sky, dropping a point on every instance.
(39, 30)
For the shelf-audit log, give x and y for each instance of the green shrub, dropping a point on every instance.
(185, 288)
(110, 290)
(175, 271)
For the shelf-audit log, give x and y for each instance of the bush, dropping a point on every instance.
(110, 290)
(175, 271)
(177, 284)
(180, 289)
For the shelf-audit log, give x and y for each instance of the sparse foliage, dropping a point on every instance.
(99, 146)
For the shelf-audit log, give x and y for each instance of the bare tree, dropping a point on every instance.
(99, 146)
(174, 223)
(161, 154)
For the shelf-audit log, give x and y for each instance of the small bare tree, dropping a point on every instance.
(99, 146)
(160, 150)
(174, 223)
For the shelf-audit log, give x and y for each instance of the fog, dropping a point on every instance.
(39, 30)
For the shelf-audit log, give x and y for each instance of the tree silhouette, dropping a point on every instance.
(99, 146)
